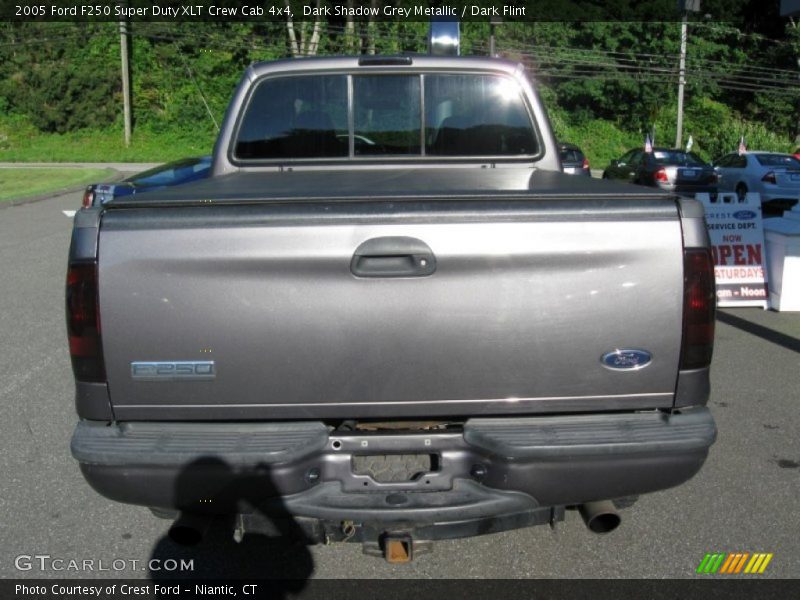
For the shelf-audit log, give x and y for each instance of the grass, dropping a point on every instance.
(21, 142)
(18, 183)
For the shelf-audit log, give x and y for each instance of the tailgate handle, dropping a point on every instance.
(393, 257)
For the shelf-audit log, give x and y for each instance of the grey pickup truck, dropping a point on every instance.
(388, 317)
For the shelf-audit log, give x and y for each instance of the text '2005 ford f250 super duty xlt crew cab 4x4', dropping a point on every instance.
(388, 316)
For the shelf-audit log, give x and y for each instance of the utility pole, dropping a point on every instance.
(681, 82)
(493, 22)
(126, 80)
(685, 7)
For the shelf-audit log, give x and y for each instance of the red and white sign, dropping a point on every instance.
(736, 230)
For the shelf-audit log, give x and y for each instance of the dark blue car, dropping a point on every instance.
(174, 173)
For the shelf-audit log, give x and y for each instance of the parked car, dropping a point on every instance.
(666, 168)
(573, 160)
(174, 173)
(774, 175)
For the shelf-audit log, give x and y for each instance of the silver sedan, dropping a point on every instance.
(773, 175)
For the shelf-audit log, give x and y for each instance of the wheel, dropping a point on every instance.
(741, 191)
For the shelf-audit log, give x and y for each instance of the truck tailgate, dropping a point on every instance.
(252, 311)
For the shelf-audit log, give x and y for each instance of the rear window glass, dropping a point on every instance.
(476, 115)
(307, 117)
(387, 114)
(296, 117)
(664, 157)
(571, 156)
(778, 160)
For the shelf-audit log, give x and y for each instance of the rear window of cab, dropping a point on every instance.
(676, 157)
(778, 160)
(352, 116)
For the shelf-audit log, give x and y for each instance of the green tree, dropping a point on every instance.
(67, 81)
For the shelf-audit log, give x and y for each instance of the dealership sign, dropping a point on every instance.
(737, 242)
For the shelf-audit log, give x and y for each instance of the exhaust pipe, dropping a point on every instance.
(600, 517)
(189, 529)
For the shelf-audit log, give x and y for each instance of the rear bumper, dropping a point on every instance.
(507, 471)
(688, 189)
(771, 194)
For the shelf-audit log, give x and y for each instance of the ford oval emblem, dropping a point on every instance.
(744, 215)
(626, 360)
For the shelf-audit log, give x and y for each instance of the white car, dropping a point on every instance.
(774, 175)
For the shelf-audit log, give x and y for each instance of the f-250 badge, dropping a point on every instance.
(173, 370)
(626, 360)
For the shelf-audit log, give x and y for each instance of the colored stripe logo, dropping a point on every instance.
(734, 563)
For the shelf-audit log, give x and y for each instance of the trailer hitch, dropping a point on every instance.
(398, 548)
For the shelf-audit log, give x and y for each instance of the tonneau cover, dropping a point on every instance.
(315, 184)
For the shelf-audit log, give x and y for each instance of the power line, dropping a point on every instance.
(610, 58)
(551, 63)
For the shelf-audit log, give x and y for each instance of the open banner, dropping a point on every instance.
(736, 230)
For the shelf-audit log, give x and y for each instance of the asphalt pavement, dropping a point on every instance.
(745, 499)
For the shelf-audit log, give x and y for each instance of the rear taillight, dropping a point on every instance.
(83, 323)
(88, 197)
(770, 178)
(585, 165)
(661, 175)
(699, 308)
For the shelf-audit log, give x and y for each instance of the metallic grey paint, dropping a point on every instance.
(290, 328)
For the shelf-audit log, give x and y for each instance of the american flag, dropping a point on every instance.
(742, 146)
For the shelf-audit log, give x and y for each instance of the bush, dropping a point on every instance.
(56, 92)
(601, 140)
(716, 129)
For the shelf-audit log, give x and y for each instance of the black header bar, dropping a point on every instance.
(494, 11)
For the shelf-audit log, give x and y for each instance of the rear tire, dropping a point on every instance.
(741, 191)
